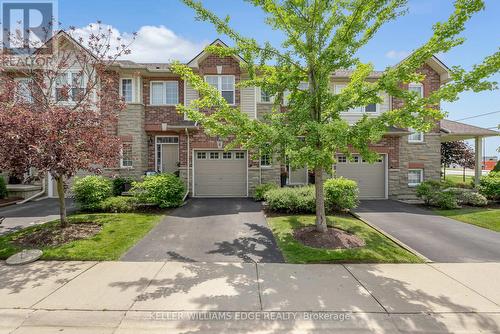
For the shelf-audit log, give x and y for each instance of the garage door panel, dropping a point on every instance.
(371, 178)
(220, 177)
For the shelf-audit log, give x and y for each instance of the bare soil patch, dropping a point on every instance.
(55, 236)
(333, 238)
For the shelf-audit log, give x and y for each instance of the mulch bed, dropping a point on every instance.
(55, 236)
(333, 238)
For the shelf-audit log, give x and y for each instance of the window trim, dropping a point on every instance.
(158, 164)
(269, 161)
(271, 98)
(17, 80)
(412, 141)
(420, 171)
(164, 95)
(362, 108)
(121, 157)
(133, 100)
(70, 99)
(417, 84)
(219, 84)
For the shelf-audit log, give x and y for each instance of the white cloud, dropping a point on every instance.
(152, 43)
(397, 55)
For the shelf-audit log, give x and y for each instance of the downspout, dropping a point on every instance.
(187, 167)
(35, 195)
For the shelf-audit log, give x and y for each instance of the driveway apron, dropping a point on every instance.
(440, 239)
(210, 230)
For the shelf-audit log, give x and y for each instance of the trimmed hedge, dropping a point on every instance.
(291, 199)
(163, 190)
(3, 188)
(261, 190)
(341, 194)
(91, 190)
(120, 184)
(118, 204)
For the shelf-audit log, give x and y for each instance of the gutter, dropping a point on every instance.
(187, 169)
(35, 195)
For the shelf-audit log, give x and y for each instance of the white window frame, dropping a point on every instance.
(70, 74)
(215, 153)
(236, 154)
(133, 99)
(415, 85)
(420, 171)
(343, 158)
(269, 161)
(164, 95)
(219, 84)
(131, 159)
(418, 137)
(337, 88)
(227, 155)
(271, 98)
(159, 153)
(27, 82)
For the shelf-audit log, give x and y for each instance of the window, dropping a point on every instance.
(201, 155)
(126, 160)
(127, 90)
(370, 108)
(227, 155)
(416, 137)
(415, 177)
(341, 159)
(265, 160)
(265, 97)
(164, 93)
(214, 155)
(416, 87)
(224, 84)
(167, 140)
(355, 159)
(70, 86)
(239, 155)
(23, 90)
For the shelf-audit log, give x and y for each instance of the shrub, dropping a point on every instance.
(121, 184)
(474, 199)
(164, 190)
(118, 204)
(261, 190)
(489, 185)
(444, 200)
(3, 188)
(91, 190)
(291, 200)
(427, 190)
(341, 194)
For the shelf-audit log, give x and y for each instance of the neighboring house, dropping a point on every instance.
(156, 138)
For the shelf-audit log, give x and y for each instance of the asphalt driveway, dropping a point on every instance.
(438, 238)
(31, 213)
(210, 230)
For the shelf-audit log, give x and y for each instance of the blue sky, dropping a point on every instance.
(168, 30)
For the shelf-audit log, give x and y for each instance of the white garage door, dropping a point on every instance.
(371, 178)
(219, 173)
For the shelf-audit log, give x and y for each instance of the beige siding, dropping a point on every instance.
(248, 102)
(190, 94)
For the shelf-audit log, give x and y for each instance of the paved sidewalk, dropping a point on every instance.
(438, 238)
(162, 297)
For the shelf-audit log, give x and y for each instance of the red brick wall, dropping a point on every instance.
(161, 114)
(390, 146)
(230, 66)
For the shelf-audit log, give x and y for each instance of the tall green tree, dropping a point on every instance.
(320, 37)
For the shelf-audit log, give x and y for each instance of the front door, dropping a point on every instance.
(169, 158)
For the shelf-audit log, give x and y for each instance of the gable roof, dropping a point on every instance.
(437, 65)
(203, 53)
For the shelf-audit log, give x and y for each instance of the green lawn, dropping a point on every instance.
(487, 218)
(120, 231)
(458, 179)
(378, 248)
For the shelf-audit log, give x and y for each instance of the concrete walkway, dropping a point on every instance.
(438, 238)
(31, 213)
(180, 297)
(210, 230)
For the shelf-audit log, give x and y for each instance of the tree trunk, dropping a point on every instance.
(320, 200)
(444, 172)
(464, 174)
(62, 202)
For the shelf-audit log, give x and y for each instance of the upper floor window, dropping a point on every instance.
(164, 93)
(23, 90)
(224, 84)
(416, 87)
(127, 89)
(265, 97)
(70, 86)
(370, 108)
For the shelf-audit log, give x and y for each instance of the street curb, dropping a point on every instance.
(391, 237)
